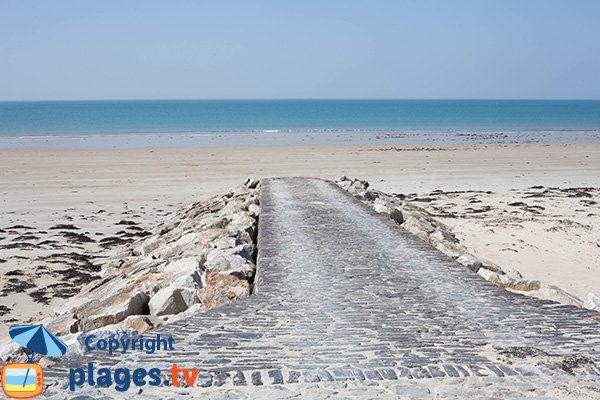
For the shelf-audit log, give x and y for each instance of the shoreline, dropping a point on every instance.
(277, 138)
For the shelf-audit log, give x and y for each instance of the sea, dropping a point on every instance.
(146, 123)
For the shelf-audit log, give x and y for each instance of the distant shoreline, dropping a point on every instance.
(198, 122)
(274, 138)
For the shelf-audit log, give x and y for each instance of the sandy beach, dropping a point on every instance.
(300, 200)
(63, 210)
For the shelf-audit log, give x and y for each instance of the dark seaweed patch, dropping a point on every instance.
(19, 227)
(113, 241)
(19, 245)
(126, 222)
(78, 238)
(65, 227)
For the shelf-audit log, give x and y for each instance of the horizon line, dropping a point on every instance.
(304, 99)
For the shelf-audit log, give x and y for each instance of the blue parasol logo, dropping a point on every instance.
(38, 340)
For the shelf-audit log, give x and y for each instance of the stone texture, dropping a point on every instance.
(161, 274)
(421, 224)
(592, 302)
(222, 289)
(168, 301)
(232, 264)
(341, 288)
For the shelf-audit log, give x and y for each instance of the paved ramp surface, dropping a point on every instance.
(347, 299)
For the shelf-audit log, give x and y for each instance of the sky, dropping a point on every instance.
(228, 49)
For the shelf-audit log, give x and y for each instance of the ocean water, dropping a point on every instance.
(345, 120)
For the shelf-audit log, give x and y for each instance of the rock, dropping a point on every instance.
(173, 249)
(226, 242)
(510, 272)
(466, 259)
(185, 267)
(214, 221)
(111, 311)
(163, 272)
(370, 195)
(244, 226)
(342, 178)
(222, 289)
(171, 300)
(251, 183)
(141, 323)
(416, 225)
(250, 200)
(381, 206)
(485, 273)
(448, 248)
(550, 292)
(178, 296)
(188, 288)
(497, 270)
(523, 285)
(233, 245)
(131, 324)
(344, 184)
(208, 236)
(592, 302)
(361, 185)
(475, 266)
(60, 325)
(233, 264)
(397, 215)
(149, 245)
(253, 210)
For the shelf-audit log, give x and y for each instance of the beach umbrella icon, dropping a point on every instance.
(39, 340)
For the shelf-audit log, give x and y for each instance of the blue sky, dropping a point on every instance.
(83, 49)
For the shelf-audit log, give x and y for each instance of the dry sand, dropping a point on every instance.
(547, 234)
(111, 196)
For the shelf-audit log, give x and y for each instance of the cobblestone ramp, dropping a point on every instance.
(344, 294)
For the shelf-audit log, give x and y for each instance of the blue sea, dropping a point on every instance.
(189, 122)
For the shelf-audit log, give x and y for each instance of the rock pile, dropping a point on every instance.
(592, 302)
(420, 223)
(201, 258)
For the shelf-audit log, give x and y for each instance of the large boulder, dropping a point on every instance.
(185, 267)
(397, 215)
(120, 306)
(222, 289)
(178, 296)
(232, 262)
(173, 249)
(381, 206)
(208, 236)
(171, 301)
(243, 225)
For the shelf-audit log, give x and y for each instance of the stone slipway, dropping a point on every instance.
(346, 296)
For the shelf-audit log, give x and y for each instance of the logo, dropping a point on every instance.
(26, 380)
(22, 380)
